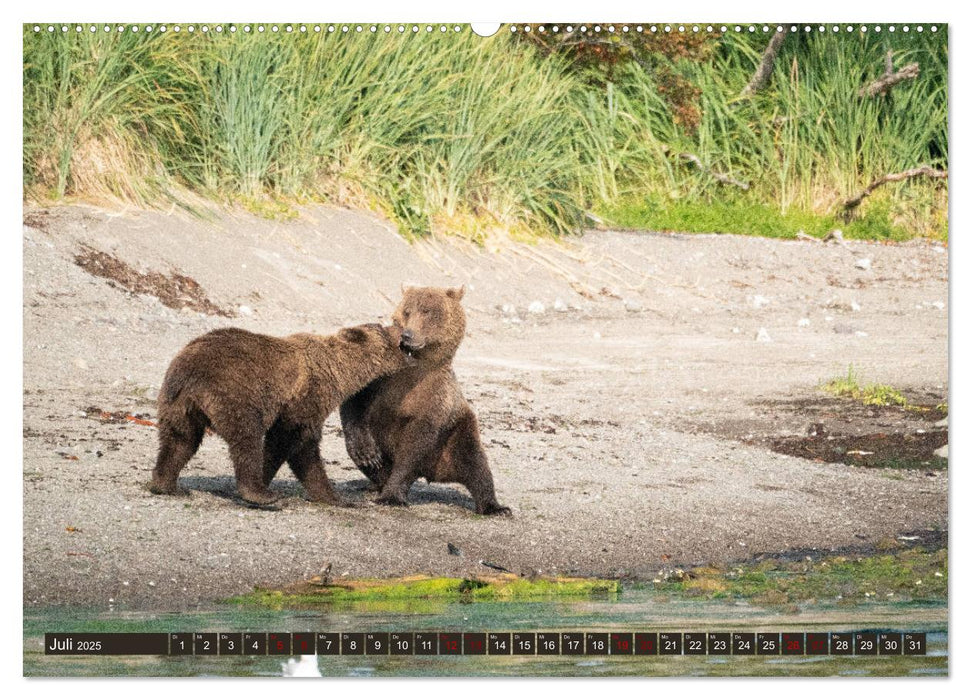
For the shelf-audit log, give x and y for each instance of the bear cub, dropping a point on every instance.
(267, 397)
(416, 423)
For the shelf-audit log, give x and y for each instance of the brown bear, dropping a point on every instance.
(416, 423)
(267, 398)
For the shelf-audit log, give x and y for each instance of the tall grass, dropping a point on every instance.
(447, 132)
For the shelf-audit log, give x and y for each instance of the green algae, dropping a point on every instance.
(411, 590)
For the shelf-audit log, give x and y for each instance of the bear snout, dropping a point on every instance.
(409, 342)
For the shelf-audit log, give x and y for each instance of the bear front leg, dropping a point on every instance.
(247, 457)
(309, 468)
(418, 444)
(361, 446)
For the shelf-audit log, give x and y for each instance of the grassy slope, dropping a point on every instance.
(457, 134)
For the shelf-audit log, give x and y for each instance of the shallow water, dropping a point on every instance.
(631, 611)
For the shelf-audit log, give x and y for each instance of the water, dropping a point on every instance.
(631, 611)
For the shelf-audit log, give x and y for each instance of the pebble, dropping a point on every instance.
(941, 452)
(863, 263)
(633, 305)
(508, 310)
(596, 335)
(803, 322)
(559, 305)
(854, 306)
(536, 307)
(763, 336)
(758, 301)
(245, 310)
(938, 304)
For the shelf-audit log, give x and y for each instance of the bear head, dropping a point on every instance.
(432, 322)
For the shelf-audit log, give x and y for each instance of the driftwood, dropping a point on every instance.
(850, 205)
(764, 71)
(890, 78)
(721, 177)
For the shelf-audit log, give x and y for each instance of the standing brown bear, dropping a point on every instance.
(267, 398)
(416, 423)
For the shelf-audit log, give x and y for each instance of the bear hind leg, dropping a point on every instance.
(463, 460)
(177, 445)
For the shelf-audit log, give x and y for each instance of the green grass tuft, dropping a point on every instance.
(870, 394)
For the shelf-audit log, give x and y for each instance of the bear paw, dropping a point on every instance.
(392, 500)
(494, 509)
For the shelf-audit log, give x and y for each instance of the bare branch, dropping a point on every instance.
(923, 171)
(764, 71)
(889, 79)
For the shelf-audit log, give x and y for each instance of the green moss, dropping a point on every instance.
(907, 575)
(421, 588)
(744, 217)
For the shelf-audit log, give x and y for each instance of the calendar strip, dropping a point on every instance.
(520, 643)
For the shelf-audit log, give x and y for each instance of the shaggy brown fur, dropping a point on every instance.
(267, 398)
(416, 423)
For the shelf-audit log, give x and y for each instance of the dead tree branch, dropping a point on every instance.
(721, 177)
(764, 71)
(850, 205)
(890, 78)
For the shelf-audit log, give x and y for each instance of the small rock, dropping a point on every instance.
(844, 329)
(736, 329)
(861, 334)
(596, 335)
(763, 336)
(758, 301)
(633, 305)
(559, 305)
(854, 306)
(453, 550)
(508, 310)
(863, 263)
(942, 423)
(245, 310)
(803, 322)
(941, 452)
(938, 304)
(536, 307)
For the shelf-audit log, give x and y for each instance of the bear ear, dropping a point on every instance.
(455, 292)
(355, 334)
